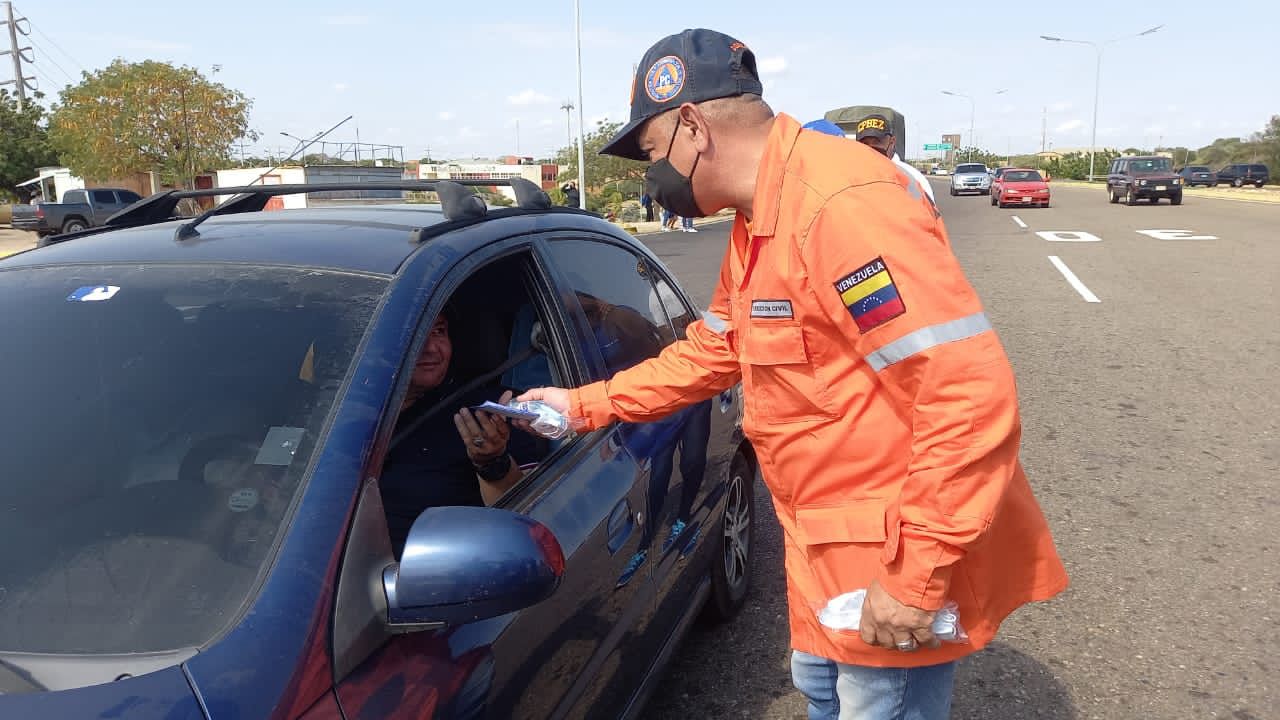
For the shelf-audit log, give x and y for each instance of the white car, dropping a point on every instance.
(971, 178)
(938, 170)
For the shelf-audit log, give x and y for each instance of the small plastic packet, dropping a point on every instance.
(548, 422)
(844, 612)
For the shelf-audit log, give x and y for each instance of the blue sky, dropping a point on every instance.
(456, 77)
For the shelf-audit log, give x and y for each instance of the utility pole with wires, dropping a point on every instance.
(19, 54)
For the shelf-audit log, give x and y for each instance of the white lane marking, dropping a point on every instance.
(1068, 236)
(1073, 280)
(1019, 221)
(1176, 235)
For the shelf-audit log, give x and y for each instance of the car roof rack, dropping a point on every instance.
(459, 202)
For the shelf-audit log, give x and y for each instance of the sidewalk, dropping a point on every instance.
(15, 241)
(649, 228)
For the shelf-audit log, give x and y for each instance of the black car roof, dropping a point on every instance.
(356, 238)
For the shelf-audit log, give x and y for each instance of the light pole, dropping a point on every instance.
(1097, 79)
(972, 113)
(299, 140)
(582, 169)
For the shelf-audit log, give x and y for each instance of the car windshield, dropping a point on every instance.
(971, 169)
(157, 423)
(1149, 165)
(1198, 168)
(1021, 176)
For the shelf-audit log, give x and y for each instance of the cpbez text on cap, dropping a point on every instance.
(691, 66)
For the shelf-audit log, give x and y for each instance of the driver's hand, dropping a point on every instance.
(484, 435)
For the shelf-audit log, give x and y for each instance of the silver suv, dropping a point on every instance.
(971, 178)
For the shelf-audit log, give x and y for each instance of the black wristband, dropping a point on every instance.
(495, 469)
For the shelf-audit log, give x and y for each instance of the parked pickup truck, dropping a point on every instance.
(79, 210)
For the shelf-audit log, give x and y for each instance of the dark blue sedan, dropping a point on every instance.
(196, 419)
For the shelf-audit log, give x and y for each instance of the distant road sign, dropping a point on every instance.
(937, 146)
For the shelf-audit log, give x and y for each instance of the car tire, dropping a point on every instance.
(1113, 196)
(1155, 200)
(731, 566)
(1129, 198)
(993, 200)
(1044, 205)
(71, 226)
(1258, 184)
(953, 192)
(1237, 183)
(1175, 199)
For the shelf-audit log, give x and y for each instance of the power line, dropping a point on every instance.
(48, 57)
(57, 47)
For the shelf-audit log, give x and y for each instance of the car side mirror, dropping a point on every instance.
(463, 564)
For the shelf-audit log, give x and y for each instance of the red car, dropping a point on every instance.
(1021, 186)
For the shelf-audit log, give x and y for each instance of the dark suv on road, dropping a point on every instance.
(1143, 178)
(1193, 175)
(198, 418)
(1241, 174)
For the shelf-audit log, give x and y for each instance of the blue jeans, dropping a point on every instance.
(851, 692)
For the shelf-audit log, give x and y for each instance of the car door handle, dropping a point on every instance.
(620, 526)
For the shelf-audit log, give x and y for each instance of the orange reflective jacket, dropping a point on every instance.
(879, 400)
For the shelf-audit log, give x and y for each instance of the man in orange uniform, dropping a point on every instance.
(878, 398)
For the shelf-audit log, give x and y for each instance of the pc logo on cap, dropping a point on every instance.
(665, 79)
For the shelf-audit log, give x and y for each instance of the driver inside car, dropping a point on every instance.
(448, 456)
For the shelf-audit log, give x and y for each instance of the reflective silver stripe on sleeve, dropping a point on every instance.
(927, 337)
(714, 322)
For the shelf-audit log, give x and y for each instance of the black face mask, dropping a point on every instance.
(669, 188)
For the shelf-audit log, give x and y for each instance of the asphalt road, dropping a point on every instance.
(1152, 438)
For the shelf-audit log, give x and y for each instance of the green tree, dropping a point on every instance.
(609, 178)
(137, 117)
(24, 142)
(1075, 166)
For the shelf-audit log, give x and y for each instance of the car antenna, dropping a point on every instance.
(187, 230)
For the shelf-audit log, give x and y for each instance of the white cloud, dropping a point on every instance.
(1006, 109)
(445, 115)
(546, 122)
(884, 77)
(1068, 126)
(1060, 106)
(346, 20)
(528, 97)
(1197, 124)
(772, 65)
(339, 87)
(1153, 129)
(593, 121)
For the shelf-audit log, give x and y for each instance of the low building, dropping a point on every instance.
(315, 175)
(544, 175)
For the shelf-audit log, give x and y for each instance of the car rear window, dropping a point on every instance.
(1258, 168)
(1021, 176)
(157, 424)
(1150, 165)
(971, 168)
(1199, 168)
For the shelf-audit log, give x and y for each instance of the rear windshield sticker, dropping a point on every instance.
(93, 293)
(242, 500)
(279, 446)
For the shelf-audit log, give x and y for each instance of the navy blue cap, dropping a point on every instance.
(692, 66)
